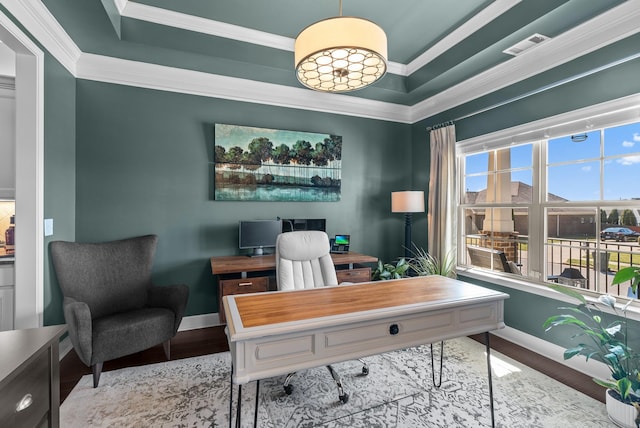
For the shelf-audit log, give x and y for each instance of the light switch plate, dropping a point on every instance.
(48, 226)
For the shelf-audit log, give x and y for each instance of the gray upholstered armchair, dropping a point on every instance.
(110, 305)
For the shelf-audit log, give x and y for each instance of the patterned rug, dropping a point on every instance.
(398, 392)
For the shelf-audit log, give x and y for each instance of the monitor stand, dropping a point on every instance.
(257, 252)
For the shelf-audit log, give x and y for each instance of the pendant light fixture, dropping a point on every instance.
(340, 54)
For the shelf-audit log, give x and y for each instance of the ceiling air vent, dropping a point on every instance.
(526, 44)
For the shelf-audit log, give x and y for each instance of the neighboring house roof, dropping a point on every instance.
(521, 193)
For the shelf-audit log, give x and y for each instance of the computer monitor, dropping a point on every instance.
(258, 234)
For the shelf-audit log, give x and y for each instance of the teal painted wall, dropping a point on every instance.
(144, 166)
(59, 174)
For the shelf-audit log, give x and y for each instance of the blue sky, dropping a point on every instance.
(574, 167)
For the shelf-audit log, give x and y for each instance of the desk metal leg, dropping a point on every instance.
(433, 366)
(255, 415)
(231, 397)
(239, 408)
(488, 346)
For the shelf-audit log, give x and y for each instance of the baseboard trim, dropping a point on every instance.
(553, 352)
(199, 321)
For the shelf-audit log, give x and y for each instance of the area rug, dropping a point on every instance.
(398, 392)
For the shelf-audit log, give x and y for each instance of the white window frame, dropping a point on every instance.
(605, 115)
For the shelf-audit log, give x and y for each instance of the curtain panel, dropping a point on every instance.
(441, 214)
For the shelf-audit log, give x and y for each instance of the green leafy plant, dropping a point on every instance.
(386, 271)
(631, 273)
(423, 263)
(606, 341)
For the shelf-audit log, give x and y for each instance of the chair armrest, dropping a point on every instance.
(78, 318)
(172, 297)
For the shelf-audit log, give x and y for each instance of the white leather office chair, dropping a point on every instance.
(303, 260)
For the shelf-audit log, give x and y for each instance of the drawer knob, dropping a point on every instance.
(24, 403)
(393, 329)
(245, 284)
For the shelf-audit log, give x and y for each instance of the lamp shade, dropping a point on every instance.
(407, 202)
(340, 54)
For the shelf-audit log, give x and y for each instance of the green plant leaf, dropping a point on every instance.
(626, 274)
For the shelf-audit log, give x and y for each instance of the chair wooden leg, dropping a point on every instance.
(96, 369)
(167, 349)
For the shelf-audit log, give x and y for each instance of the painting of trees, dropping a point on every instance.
(266, 164)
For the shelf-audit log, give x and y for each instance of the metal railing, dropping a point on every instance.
(597, 262)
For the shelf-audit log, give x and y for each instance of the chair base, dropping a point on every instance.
(342, 396)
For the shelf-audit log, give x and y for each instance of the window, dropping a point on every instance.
(561, 208)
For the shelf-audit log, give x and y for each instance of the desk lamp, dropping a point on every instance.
(407, 202)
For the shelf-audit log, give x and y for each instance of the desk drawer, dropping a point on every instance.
(228, 287)
(31, 384)
(354, 275)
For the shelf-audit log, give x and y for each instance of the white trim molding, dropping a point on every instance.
(153, 76)
(29, 191)
(592, 368)
(40, 22)
(611, 26)
(478, 21)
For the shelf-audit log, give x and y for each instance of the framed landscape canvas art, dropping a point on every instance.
(261, 164)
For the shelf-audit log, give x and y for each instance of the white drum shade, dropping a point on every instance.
(407, 202)
(340, 54)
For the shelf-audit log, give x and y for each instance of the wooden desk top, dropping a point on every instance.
(262, 309)
(236, 264)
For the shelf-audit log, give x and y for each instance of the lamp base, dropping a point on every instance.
(408, 218)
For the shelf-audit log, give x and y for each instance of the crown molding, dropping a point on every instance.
(592, 35)
(198, 24)
(478, 21)
(184, 21)
(44, 27)
(614, 25)
(152, 76)
(121, 5)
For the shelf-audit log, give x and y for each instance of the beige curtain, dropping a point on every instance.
(442, 193)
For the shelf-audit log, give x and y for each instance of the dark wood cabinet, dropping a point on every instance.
(240, 286)
(361, 274)
(30, 377)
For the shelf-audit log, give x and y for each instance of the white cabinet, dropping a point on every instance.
(7, 143)
(6, 297)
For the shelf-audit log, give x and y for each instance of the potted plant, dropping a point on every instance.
(389, 271)
(423, 264)
(607, 342)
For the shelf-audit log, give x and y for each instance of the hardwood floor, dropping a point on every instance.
(211, 340)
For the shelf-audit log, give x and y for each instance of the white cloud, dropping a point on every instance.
(636, 136)
(586, 168)
(628, 143)
(629, 160)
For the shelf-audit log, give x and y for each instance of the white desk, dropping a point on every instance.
(276, 333)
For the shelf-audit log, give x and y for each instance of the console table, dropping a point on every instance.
(30, 377)
(243, 275)
(272, 334)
